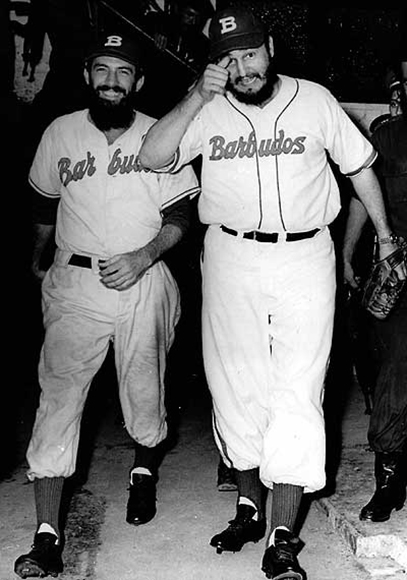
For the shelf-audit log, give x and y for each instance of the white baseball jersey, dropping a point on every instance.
(107, 206)
(266, 168)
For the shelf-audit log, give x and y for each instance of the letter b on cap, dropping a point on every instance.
(227, 24)
(113, 41)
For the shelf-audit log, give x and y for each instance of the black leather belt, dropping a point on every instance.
(271, 238)
(81, 261)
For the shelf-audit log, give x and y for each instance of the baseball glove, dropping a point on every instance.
(383, 286)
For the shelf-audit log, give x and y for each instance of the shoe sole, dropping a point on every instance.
(377, 520)
(139, 522)
(30, 569)
(227, 487)
(284, 576)
(220, 548)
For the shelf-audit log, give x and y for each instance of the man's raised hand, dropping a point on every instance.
(214, 79)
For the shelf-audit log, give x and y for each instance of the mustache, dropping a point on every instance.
(251, 76)
(115, 88)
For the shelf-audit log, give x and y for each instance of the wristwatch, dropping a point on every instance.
(390, 239)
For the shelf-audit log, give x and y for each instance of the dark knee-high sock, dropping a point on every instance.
(286, 500)
(148, 457)
(48, 494)
(249, 486)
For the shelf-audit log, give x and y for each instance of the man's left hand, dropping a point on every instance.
(387, 249)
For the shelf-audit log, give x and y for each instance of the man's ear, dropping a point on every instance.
(86, 75)
(139, 83)
(271, 46)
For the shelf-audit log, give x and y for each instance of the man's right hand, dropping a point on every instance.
(214, 79)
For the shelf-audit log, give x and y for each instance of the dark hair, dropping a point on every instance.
(204, 7)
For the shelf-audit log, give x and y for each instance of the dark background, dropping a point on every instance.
(346, 45)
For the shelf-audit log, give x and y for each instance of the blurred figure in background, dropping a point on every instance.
(387, 432)
(69, 26)
(393, 89)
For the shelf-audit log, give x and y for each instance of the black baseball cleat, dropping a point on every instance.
(280, 561)
(241, 530)
(43, 560)
(141, 505)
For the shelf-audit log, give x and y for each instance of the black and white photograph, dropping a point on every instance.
(206, 290)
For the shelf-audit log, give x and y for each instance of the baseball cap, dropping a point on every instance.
(391, 81)
(234, 28)
(115, 44)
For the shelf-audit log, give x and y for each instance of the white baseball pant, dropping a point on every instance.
(80, 318)
(267, 323)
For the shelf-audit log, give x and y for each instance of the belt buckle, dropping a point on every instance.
(262, 237)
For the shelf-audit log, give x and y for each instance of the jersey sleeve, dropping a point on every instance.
(177, 185)
(43, 208)
(177, 214)
(345, 142)
(189, 148)
(44, 175)
(191, 144)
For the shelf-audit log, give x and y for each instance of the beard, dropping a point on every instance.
(256, 97)
(108, 115)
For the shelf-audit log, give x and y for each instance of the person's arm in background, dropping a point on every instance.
(367, 187)
(163, 138)
(357, 218)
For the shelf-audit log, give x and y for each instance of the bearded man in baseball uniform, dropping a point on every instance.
(268, 197)
(107, 282)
